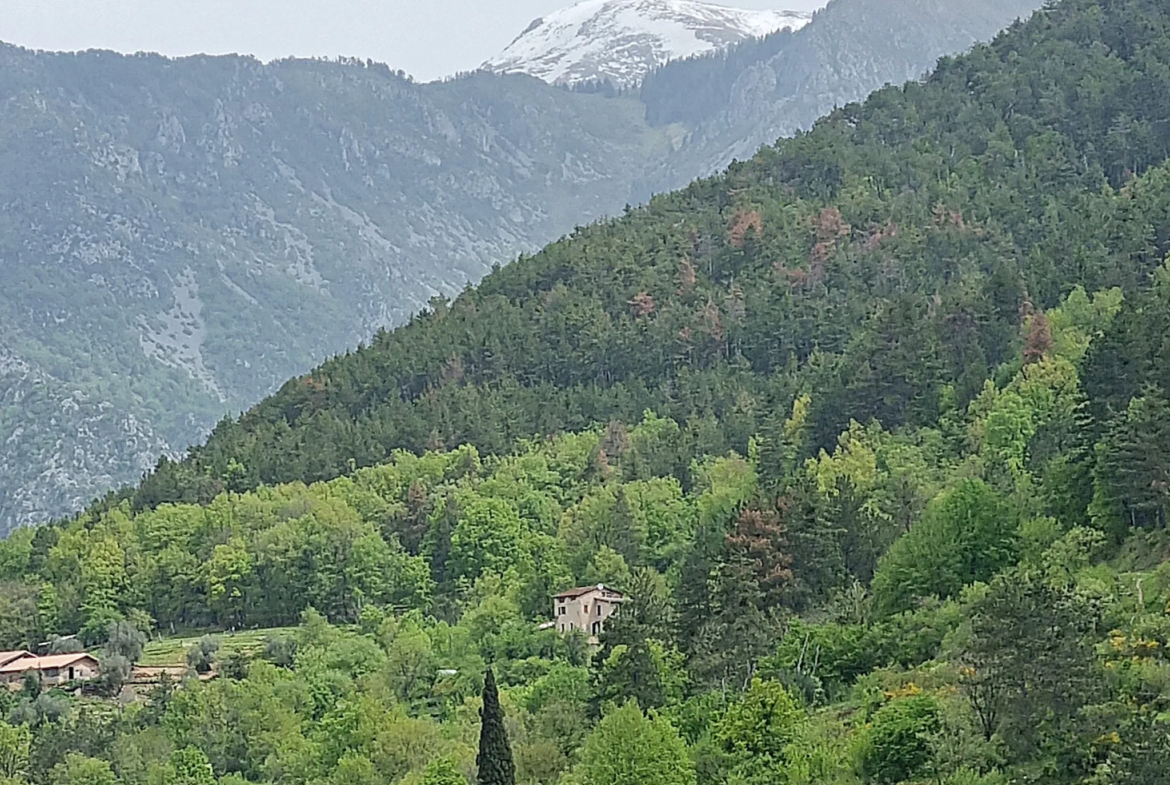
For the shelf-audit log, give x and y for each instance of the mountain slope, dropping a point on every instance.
(177, 237)
(935, 329)
(883, 261)
(764, 90)
(620, 41)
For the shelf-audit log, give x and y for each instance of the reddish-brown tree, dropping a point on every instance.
(760, 542)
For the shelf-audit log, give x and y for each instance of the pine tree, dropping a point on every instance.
(1135, 463)
(495, 753)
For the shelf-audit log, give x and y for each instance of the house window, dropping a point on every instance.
(598, 609)
(562, 610)
(71, 676)
(586, 610)
(596, 628)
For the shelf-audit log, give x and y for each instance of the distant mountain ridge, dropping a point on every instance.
(760, 91)
(178, 237)
(620, 41)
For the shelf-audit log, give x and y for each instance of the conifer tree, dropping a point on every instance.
(495, 753)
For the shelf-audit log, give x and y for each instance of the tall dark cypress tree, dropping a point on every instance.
(495, 753)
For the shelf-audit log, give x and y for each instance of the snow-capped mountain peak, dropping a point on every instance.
(620, 41)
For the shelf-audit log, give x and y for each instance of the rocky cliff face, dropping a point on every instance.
(179, 237)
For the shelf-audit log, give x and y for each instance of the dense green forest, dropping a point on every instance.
(874, 432)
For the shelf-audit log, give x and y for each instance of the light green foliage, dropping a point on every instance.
(1081, 318)
(628, 748)
(832, 653)
(727, 483)
(188, 766)
(607, 567)
(563, 683)
(153, 341)
(853, 462)
(968, 534)
(873, 487)
(227, 573)
(410, 660)
(648, 671)
(1044, 397)
(871, 313)
(757, 730)
(487, 537)
(442, 771)
(15, 743)
(762, 723)
(80, 770)
(897, 740)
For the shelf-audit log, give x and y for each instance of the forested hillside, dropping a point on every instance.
(873, 431)
(178, 237)
(733, 102)
(882, 263)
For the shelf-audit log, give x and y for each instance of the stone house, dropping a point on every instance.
(54, 670)
(586, 609)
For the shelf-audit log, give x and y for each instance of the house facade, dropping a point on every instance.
(54, 670)
(586, 608)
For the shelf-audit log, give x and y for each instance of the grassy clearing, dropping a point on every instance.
(173, 651)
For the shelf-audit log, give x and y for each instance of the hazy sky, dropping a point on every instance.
(427, 38)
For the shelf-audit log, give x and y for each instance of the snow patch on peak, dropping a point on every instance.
(620, 41)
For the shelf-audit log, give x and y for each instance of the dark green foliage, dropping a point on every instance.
(494, 761)
(1135, 462)
(1031, 664)
(130, 325)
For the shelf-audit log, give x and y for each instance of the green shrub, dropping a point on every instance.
(896, 747)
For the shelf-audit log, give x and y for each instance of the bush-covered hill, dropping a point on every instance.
(873, 431)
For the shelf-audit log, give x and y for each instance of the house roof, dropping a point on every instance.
(44, 663)
(11, 656)
(582, 590)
